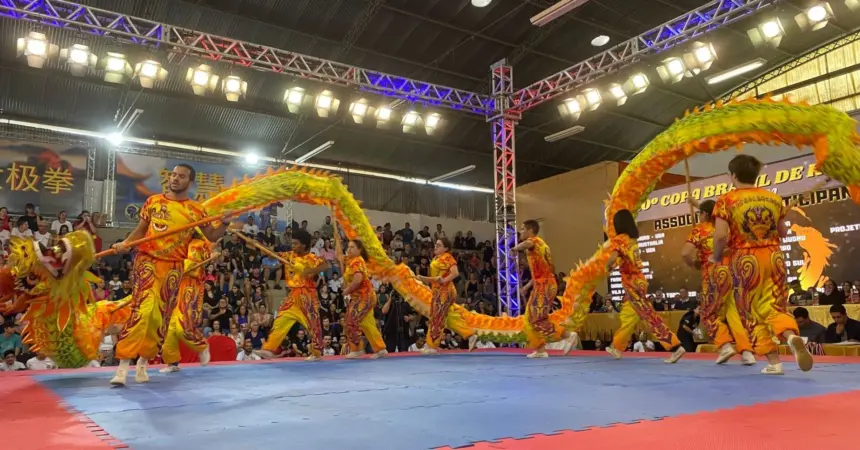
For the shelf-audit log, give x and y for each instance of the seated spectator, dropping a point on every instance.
(250, 229)
(114, 284)
(272, 271)
(643, 344)
(10, 340)
(247, 353)
(5, 220)
(335, 284)
(813, 331)
(418, 345)
(831, 295)
(22, 229)
(32, 217)
(61, 220)
(328, 350)
(843, 328)
(216, 329)
(301, 346)
(798, 296)
(256, 336)
(221, 315)
(42, 235)
(40, 362)
(10, 364)
(236, 335)
(242, 315)
(101, 292)
(124, 291)
(268, 238)
(85, 222)
(686, 330)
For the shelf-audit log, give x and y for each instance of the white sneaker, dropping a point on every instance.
(354, 355)
(120, 377)
(748, 358)
(615, 353)
(313, 358)
(473, 341)
(773, 369)
(801, 353)
(205, 357)
(676, 356)
(534, 355)
(140, 375)
(380, 354)
(570, 343)
(169, 369)
(726, 353)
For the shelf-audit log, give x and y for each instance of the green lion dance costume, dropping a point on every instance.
(64, 319)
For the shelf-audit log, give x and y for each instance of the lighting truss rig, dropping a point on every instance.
(503, 109)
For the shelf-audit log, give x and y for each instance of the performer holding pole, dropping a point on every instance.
(157, 270)
(542, 290)
(749, 223)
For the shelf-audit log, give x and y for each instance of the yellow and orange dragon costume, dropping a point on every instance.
(61, 319)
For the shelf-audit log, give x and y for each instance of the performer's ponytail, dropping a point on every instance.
(625, 223)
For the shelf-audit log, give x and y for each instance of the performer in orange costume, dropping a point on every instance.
(302, 304)
(157, 270)
(717, 303)
(636, 304)
(750, 222)
(541, 291)
(443, 272)
(361, 299)
(186, 317)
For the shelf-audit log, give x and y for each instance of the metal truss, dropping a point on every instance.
(69, 15)
(504, 154)
(671, 34)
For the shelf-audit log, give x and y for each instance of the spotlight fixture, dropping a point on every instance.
(736, 71)
(769, 32)
(251, 158)
(814, 18)
(202, 79)
(116, 67)
(79, 58)
(853, 5)
(637, 84)
(358, 110)
(481, 3)
(294, 98)
(700, 58)
(570, 107)
(411, 121)
(600, 41)
(590, 98)
(617, 92)
(431, 123)
(148, 72)
(383, 116)
(234, 88)
(326, 104)
(115, 138)
(36, 48)
(672, 70)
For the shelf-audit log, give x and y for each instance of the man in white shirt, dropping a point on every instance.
(10, 364)
(40, 362)
(250, 229)
(43, 236)
(62, 219)
(22, 229)
(643, 345)
(247, 353)
(335, 283)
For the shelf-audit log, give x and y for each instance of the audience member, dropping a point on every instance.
(843, 328)
(813, 331)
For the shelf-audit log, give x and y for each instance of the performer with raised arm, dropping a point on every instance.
(443, 272)
(360, 299)
(541, 291)
(186, 317)
(157, 270)
(302, 304)
(636, 306)
(749, 223)
(717, 303)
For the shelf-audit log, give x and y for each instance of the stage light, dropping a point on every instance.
(116, 67)
(814, 18)
(411, 120)
(202, 79)
(736, 71)
(481, 3)
(769, 32)
(637, 84)
(431, 123)
(326, 104)
(294, 98)
(853, 5)
(590, 98)
(251, 158)
(234, 88)
(37, 49)
(79, 58)
(115, 138)
(383, 116)
(699, 58)
(600, 41)
(148, 72)
(617, 92)
(570, 107)
(672, 70)
(359, 110)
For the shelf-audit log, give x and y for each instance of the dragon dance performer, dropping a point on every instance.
(302, 303)
(186, 317)
(157, 270)
(361, 299)
(542, 290)
(749, 221)
(636, 304)
(443, 272)
(718, 306)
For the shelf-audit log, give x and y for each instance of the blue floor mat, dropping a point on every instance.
(418, 403)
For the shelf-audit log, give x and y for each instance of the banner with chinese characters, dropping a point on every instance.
(50, 176)
(140, 176)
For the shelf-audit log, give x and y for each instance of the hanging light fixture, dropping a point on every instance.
(814, 18)
(672, 70)
(383, 116)
(326, 104)
(36, 48)
(617, 93)
(294, 98)
(358, 110)
(79, 58)
(234, 88)
(700, 58)
(116, 67)
(411, 121)
(571, 108)
(431, 123)
(769, 32)
(148, 72)
(637, 84)
(202, 79)
(590, 99)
